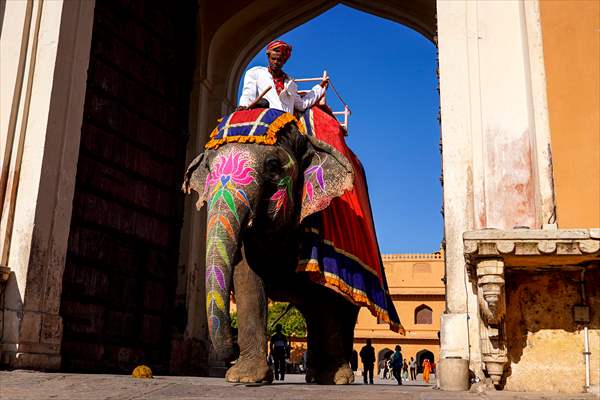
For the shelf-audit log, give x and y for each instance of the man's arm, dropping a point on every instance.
(310, 98)
(250, 89)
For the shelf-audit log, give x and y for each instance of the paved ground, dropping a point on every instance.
(24, 385)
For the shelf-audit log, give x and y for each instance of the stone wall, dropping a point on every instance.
(545, 344)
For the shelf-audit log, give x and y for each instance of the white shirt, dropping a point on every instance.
(257, 79)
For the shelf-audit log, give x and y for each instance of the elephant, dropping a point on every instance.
(256, 197)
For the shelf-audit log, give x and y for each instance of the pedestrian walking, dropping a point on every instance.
(426, 370)
(367, 356)
(413, 369)
(396, 364)
(279, 351)
(405, 370)
(388, 368)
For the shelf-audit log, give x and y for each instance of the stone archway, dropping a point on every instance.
(474, 95)
(223, 58)
(384, 354)
(481, 103)
(421, 356)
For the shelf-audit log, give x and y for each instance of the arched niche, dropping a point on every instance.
(423, 315)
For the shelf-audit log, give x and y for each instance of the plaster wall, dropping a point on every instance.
(413, 280)
(545, 345)
(572, 60)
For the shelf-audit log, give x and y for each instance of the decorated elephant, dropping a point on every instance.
(265, 181)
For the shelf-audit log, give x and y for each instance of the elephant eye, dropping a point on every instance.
(273, 164)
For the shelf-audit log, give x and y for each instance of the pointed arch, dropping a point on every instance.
(423, 315)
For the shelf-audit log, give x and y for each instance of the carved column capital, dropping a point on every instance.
(490, 284)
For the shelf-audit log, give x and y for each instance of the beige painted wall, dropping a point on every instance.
(413, 279)
(571, 41)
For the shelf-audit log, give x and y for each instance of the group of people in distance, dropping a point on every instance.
(393, 363)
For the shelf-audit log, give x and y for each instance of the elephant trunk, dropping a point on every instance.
(224, 221)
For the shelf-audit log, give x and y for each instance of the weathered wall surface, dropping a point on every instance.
(572, 57)
(544, 344)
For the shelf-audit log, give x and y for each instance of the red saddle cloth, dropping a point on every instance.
(340, 247)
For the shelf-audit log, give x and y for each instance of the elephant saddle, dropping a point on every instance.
(339, 246)
(259, 125)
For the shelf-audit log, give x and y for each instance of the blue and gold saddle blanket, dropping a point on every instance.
(259, 125)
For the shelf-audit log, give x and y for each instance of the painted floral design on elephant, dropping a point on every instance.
(226, 185)
(312, 175)
(227, 179)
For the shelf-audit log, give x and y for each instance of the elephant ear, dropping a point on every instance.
(195, 178)
(327, 174)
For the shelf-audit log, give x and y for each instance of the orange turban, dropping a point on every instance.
(286, 49)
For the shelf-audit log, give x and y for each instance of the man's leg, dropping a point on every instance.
(279, 367)
(365, 371)
(282, 366)
(371, 374)
(397, 374)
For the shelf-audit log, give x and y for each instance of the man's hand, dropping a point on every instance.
(324, 83)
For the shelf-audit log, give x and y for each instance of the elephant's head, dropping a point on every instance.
(271, 187)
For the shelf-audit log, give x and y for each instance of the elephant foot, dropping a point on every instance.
(343, 375)
(249, 371)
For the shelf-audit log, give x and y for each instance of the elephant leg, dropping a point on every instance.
(330, 324)
(251, 301)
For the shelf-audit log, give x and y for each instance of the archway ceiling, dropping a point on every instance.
(231, 32)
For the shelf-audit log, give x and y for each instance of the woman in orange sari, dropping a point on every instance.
(426, 370)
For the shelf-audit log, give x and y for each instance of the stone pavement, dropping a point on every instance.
(25, 385)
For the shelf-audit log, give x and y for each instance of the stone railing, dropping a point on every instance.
(412, 256)
(490, 252)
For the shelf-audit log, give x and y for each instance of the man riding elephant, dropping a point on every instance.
(285, 95)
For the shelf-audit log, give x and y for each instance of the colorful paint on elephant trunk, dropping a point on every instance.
(226, 187)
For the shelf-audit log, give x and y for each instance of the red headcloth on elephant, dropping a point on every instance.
(339, 247)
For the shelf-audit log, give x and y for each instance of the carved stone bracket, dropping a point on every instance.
(490, 285)
(490, 252)
(492, 307)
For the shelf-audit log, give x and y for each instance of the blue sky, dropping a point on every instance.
(386, 72)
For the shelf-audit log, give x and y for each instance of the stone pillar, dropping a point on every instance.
(495, 142)
(45, 49)
(459, 324)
